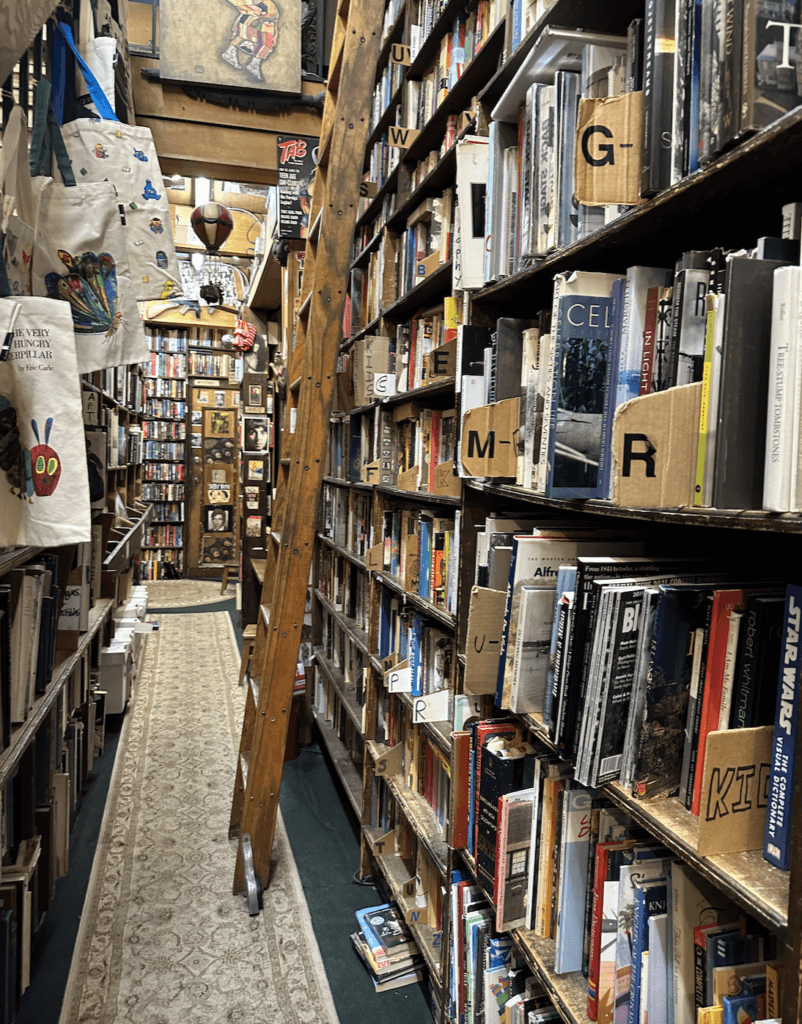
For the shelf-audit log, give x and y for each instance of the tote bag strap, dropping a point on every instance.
(15, 173)
(96, 93)
(46, 135)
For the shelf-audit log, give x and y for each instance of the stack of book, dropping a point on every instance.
(386, 948)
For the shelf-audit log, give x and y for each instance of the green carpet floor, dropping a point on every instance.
(325, 843)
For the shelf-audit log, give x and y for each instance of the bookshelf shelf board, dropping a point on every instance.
(340, 482)
(345, 691)
(362, 259)
(396, 875)
(162, 547)
(346, 553)
(355, 632)
(118, 557)
(342, 414)
(458, 98)
(22, 735)
(10, 558)
(439, 386)
(747, 878)
(438, 283)
(568, 992)
(597, 17)
(367, 329)
(343, 765)
(689, 215)
(736, 519)
(167, 522)
(374, 207)
(418, 496)
(440, 176)
(421, 815)
(432, 610)
(385, 119)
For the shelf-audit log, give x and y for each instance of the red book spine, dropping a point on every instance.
(650, 328)
(723, 604)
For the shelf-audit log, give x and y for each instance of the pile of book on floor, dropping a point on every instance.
(386, 948)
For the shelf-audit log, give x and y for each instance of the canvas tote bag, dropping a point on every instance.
(80, 253)
(44, 480)
(99, 53)
(18, 210)
(107, 150)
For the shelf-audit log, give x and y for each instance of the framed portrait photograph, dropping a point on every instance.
(197, 417)
(202, 398)
(220, 399)
(196, 440)
(256, 434)
(217, 518)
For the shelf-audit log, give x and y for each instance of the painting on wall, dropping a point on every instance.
(250, 44)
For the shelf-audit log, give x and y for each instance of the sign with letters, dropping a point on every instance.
(609, 140)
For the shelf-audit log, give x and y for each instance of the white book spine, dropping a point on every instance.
(783, 398)
(548, 391)
(712, 416)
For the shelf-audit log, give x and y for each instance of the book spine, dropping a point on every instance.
(658, 96)
(704, 411)
(690, 757)
(779, 421)
(599, 878)
(649, 331)
(730, 72)
(748, 64)
(548, 398)
(505, 631)
(777, 841)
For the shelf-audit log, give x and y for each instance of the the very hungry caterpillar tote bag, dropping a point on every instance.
(44, 481)
(80, 254)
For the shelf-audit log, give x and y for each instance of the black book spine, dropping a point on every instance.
(559, 659)
(769, 649)
(635, 55)
(730, 71)
(658, 96)
(692, 738)
(688, 14)
(672, 356)
(743, 393)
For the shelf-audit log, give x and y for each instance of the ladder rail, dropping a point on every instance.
(279, 653)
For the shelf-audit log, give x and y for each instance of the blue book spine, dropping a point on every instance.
(415, 641)
(472, 796)
(505, 630)
(693, 127)
(384, 627)
(424, 554)
(777, 842)
(517, 23)
(611, 386)
(649, 901)
(741, 1008)
(581, 371)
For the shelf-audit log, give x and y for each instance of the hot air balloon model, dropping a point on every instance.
(212, 223)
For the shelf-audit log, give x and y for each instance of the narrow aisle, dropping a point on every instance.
(162, 940)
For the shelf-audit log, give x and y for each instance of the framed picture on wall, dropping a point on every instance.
(220, 422)
(217, 518)
(256, 469)
(216, 452)
(256, 434)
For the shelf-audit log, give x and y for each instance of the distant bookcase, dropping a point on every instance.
(164, 427)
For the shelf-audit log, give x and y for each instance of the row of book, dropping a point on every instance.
(632, 661)
(344, 585)
(169, 512)
(164, 364)
(342, 653)
(169, 451)
(418, 657)
(164, 536)
(488, 980)
(203, 365)
(162, 491)
(162, 409)
(160, 430)
(421, 549)
(163, 471)
(345, 518)
(158, 388)
(649, 934)
(122, 383)
(161, 563)
(168, 341)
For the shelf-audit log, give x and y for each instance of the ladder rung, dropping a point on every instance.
(264, 611)
(304, 308)
(245, 764)
(255, 691)
(316, 226)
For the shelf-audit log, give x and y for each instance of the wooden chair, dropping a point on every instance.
(230, 572)
(248, 645)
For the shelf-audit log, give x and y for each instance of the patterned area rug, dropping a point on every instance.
(187, 593)
(162, 939)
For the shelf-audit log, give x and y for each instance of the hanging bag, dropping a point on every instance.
(44, 480)
(99, 53)
(19, 212)
(80, 253)
(107, 150)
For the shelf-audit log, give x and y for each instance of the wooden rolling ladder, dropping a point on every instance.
(311, 387)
